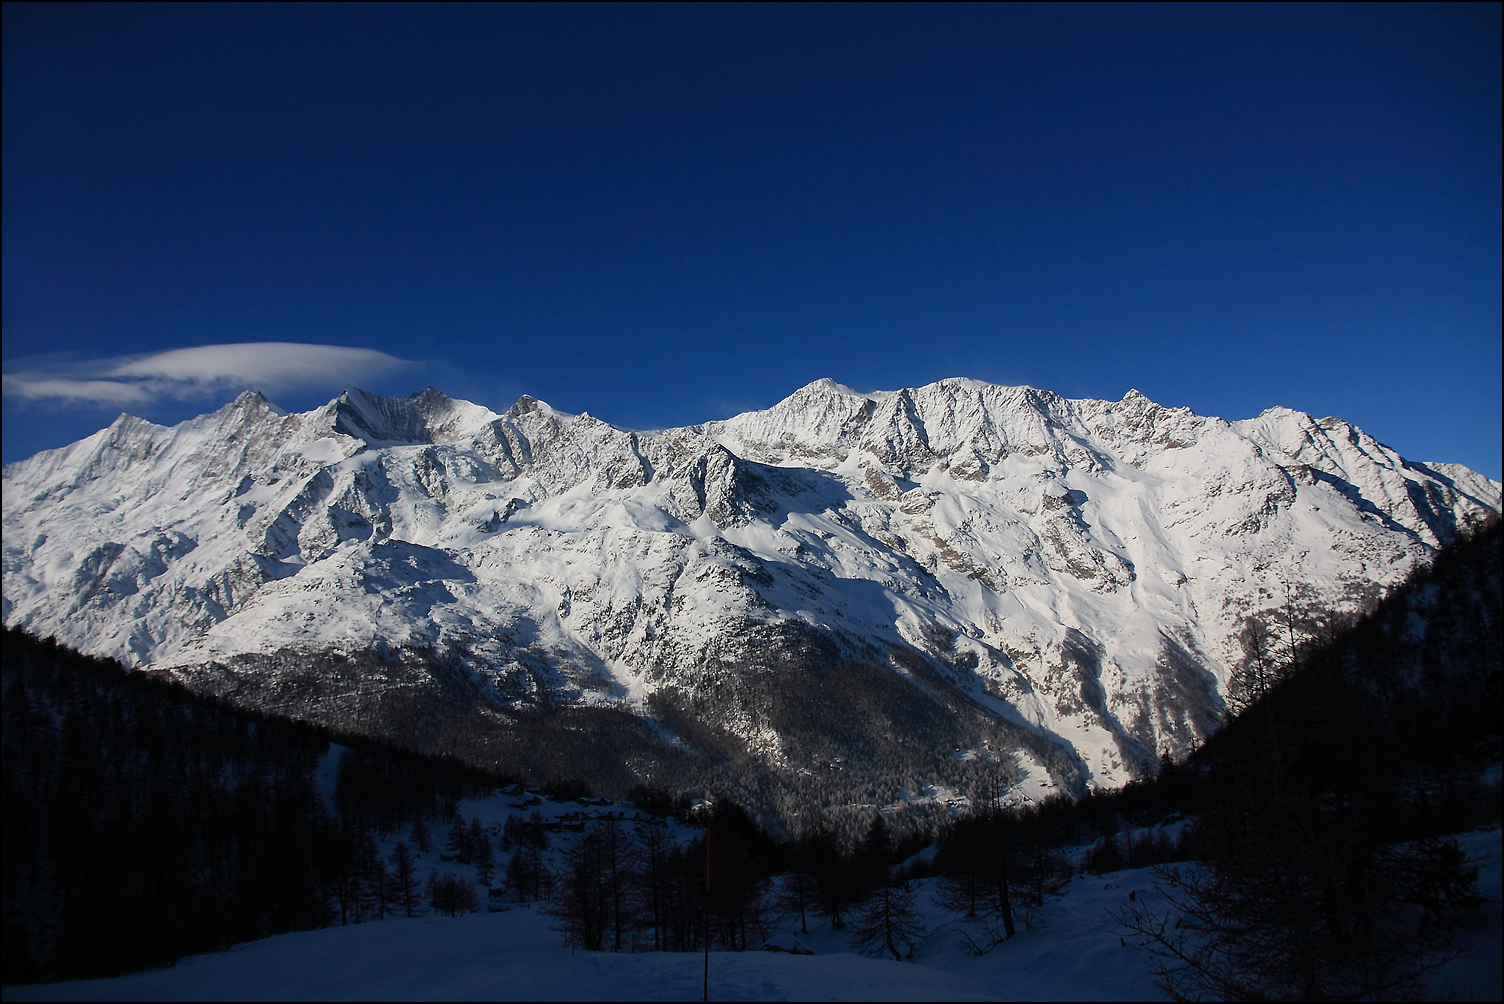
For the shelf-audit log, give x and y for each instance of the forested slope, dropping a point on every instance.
(144, 822)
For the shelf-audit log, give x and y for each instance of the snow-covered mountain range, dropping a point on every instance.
(845, 598)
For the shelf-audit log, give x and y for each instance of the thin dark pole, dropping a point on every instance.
(708, 831)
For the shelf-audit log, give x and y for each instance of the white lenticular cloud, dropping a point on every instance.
(200, 372)
(36, 386)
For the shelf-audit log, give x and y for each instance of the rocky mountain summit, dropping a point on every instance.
(886, 598)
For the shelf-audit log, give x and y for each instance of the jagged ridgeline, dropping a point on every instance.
(847, 599)
(144, 822)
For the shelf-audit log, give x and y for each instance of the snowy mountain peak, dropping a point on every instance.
(255, 400)
(426, 417)
(957, 566)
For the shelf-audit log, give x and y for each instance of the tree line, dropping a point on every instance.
(631, 888)
(144, 821)
(1324, 807)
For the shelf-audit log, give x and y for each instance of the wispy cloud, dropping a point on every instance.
(205, 371)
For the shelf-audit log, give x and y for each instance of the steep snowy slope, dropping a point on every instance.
(847, 597)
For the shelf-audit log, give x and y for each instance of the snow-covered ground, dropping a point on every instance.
(1073, 952)
(1478, 975)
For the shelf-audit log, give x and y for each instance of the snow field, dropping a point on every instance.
(1071, 950)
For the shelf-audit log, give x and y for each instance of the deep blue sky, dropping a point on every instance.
(668, 214)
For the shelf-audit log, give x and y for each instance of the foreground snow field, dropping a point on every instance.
(1074, 952)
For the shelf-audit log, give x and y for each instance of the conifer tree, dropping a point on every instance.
(420, 837)
(404, 882)
(527, 875)
(822, 856)
(975, 857)
(889, 923)
(485, 860)
(459, 838)
(582, 907)
(796, 897)
(475, 835)
(654, 891)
